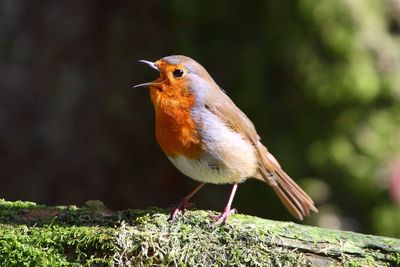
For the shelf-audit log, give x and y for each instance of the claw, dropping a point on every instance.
(223, 217)
(181, 208)
(184, 204)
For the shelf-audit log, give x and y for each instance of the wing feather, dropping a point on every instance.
(292, 196)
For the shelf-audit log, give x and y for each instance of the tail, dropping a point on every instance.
(298, 203)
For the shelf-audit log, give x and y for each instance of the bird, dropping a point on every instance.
(209, 139)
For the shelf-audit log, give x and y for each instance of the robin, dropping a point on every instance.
(209, 139)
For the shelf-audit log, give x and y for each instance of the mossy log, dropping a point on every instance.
(36, 235)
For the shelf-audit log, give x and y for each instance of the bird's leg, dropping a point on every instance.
(184, 203)
(223, 217)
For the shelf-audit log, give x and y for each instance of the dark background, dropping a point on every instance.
(319, 79)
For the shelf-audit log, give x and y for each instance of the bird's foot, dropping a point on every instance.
(184, 204)
(223, 217)
(181, 208)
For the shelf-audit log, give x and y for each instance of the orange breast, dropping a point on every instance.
(176, 131)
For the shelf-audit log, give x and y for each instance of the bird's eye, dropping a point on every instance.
(177, 73)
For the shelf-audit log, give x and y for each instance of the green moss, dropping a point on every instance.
(55, 245)
(190, 241)
(35, 235)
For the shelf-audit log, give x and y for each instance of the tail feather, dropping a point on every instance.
(298, 203)
(295, 209)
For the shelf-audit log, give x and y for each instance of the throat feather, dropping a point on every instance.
(176, 131)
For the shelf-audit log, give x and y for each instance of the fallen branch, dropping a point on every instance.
(36, 235)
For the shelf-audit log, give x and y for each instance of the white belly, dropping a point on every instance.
(228, 158)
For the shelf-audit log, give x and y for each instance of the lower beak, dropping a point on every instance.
(153, 66)
(147, 84)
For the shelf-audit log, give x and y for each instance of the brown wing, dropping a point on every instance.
(292, 196)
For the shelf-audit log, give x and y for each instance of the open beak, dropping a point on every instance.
(153, 66)
(146, 84)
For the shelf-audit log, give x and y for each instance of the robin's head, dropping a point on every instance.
(178, 75)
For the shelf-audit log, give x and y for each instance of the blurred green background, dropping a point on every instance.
(319, 79)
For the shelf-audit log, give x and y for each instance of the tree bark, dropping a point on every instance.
(36, 235)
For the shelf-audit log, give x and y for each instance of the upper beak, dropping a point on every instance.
(151, 65)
